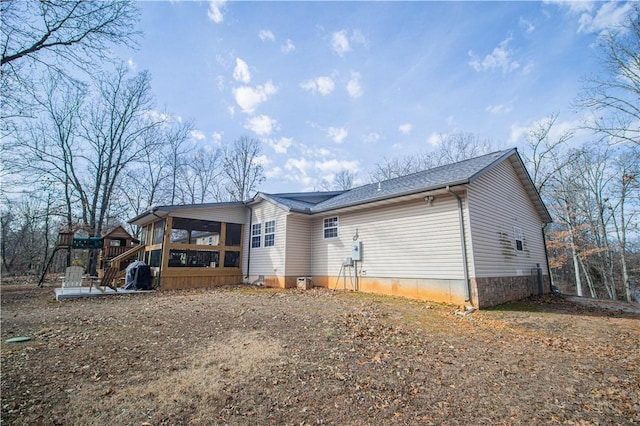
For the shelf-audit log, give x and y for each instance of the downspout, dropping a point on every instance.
(546, 257)
(250, 238)
(153, 212)
(463, 242)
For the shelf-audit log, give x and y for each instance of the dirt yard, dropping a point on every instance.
(273, 357)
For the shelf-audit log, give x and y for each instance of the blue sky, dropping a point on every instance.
(329, 86)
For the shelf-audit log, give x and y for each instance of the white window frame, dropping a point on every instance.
(330, 224)
(518, 238)
(256, 243)
(270, 233)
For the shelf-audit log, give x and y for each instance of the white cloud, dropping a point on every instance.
(131, 65)
(574, 6)
(262, 160)
(322, 152)
(288, 47)
(248, 98)
(358, 37)
(518, 132)
(274, 172)
(308, 173)
(405, 128)
(222, 60)
(241, 72)
(158, 116)
(316, 152)
(334, 166)
(197, 135)
(527, 25)
(353, 86)
(372, 138)
(281, 145)
(215, 10)
(220, 83)
(322, 85)
(266, 35)
(301, 165)
(340, 42)
(216, 137)
(500, 57)
(337, 134)
(498, 109)
(609, 16)
(434, 139)
(261, 125)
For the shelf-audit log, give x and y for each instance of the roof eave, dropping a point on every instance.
(391, 196)
(164, 211)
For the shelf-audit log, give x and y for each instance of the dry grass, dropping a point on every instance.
(246, 356)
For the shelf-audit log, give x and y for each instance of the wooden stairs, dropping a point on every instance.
(117, 268)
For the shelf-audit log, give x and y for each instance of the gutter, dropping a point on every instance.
(463, 242)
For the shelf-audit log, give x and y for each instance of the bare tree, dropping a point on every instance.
(543, 152)
(199, 179)
(242, 168)
(114, 131)
(55, 34)
(85, 143)
(343, 180)
(49, 148)
(26, 224)
(594, 181)
(615, 96)
(153, 179)
(625, 208)
(461, 146)
(453, 148)
(175, 153)
(395, 167)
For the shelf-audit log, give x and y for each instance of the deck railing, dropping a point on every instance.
(113, 251)
(121, 261)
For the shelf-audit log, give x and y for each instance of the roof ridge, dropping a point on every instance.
(501, 152)
(447, 174)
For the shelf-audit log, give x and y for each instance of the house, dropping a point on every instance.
(470, 232)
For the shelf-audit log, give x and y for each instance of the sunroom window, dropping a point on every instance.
(195, 231)
(234, 234)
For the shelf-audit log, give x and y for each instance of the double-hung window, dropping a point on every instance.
(331, 227)
(270, 233)
(517, 234)
(256, 235)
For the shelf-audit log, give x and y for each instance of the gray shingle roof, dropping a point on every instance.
(436, 178)
(460, 173)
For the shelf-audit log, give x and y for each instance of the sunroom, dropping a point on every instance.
(193, 245)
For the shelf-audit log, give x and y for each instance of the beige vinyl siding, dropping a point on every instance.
(235, 214)
(268, 260)
(498, 204)
(410, 240)
(298, 254)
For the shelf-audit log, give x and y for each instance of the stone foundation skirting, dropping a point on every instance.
(492, 291)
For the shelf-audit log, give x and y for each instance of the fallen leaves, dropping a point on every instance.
(261, 356)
